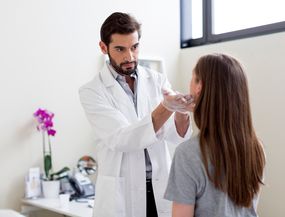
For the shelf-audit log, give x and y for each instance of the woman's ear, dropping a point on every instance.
(199, 87)
(103, 47)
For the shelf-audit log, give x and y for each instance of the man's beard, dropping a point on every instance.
(119, 68)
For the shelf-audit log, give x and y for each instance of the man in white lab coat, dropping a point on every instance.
(132, 122)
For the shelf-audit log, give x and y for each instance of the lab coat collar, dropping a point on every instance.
(107, 77)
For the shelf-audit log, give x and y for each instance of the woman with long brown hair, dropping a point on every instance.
(219, 172)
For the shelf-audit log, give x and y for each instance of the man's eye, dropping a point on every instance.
(119, 49)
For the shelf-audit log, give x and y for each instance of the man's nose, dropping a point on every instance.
(129, 56)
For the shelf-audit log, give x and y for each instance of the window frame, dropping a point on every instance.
(209, 38)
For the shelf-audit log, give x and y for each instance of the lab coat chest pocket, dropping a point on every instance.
(110, 197)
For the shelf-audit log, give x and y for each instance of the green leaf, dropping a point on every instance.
(60, 174)
(47, 165)
(64, 169)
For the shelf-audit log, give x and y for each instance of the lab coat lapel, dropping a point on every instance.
(143, 98)
(119, 97)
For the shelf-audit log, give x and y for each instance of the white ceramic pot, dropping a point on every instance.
(50, 189)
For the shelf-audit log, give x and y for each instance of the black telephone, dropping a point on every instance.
(82, 186)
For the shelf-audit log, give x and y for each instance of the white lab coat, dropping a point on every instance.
(121, 135)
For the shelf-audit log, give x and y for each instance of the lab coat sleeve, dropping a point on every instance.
(171, 135)
(111, 128)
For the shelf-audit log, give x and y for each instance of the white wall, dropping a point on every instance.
(48, 48)
(263, 60)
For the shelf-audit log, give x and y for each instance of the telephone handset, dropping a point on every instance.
(82, 186)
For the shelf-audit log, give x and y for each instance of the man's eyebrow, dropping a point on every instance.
(122, 47)
(118, 46)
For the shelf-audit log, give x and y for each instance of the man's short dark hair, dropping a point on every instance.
(120, 23)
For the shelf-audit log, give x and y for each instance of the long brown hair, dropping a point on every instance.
(227, 138)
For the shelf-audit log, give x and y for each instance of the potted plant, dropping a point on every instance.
(50, 181)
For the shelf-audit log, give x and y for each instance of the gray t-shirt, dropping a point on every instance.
(189, 184)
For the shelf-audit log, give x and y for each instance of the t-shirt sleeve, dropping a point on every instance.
(183, 183)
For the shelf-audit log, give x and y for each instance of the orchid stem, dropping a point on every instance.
(49, 146)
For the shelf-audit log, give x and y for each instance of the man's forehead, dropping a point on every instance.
(124, 40)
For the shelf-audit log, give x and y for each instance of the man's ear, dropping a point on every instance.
(103, 47)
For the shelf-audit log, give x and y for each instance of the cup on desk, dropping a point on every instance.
(64, 200)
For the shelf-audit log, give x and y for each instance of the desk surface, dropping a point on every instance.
(75, 209)
(9, 213)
